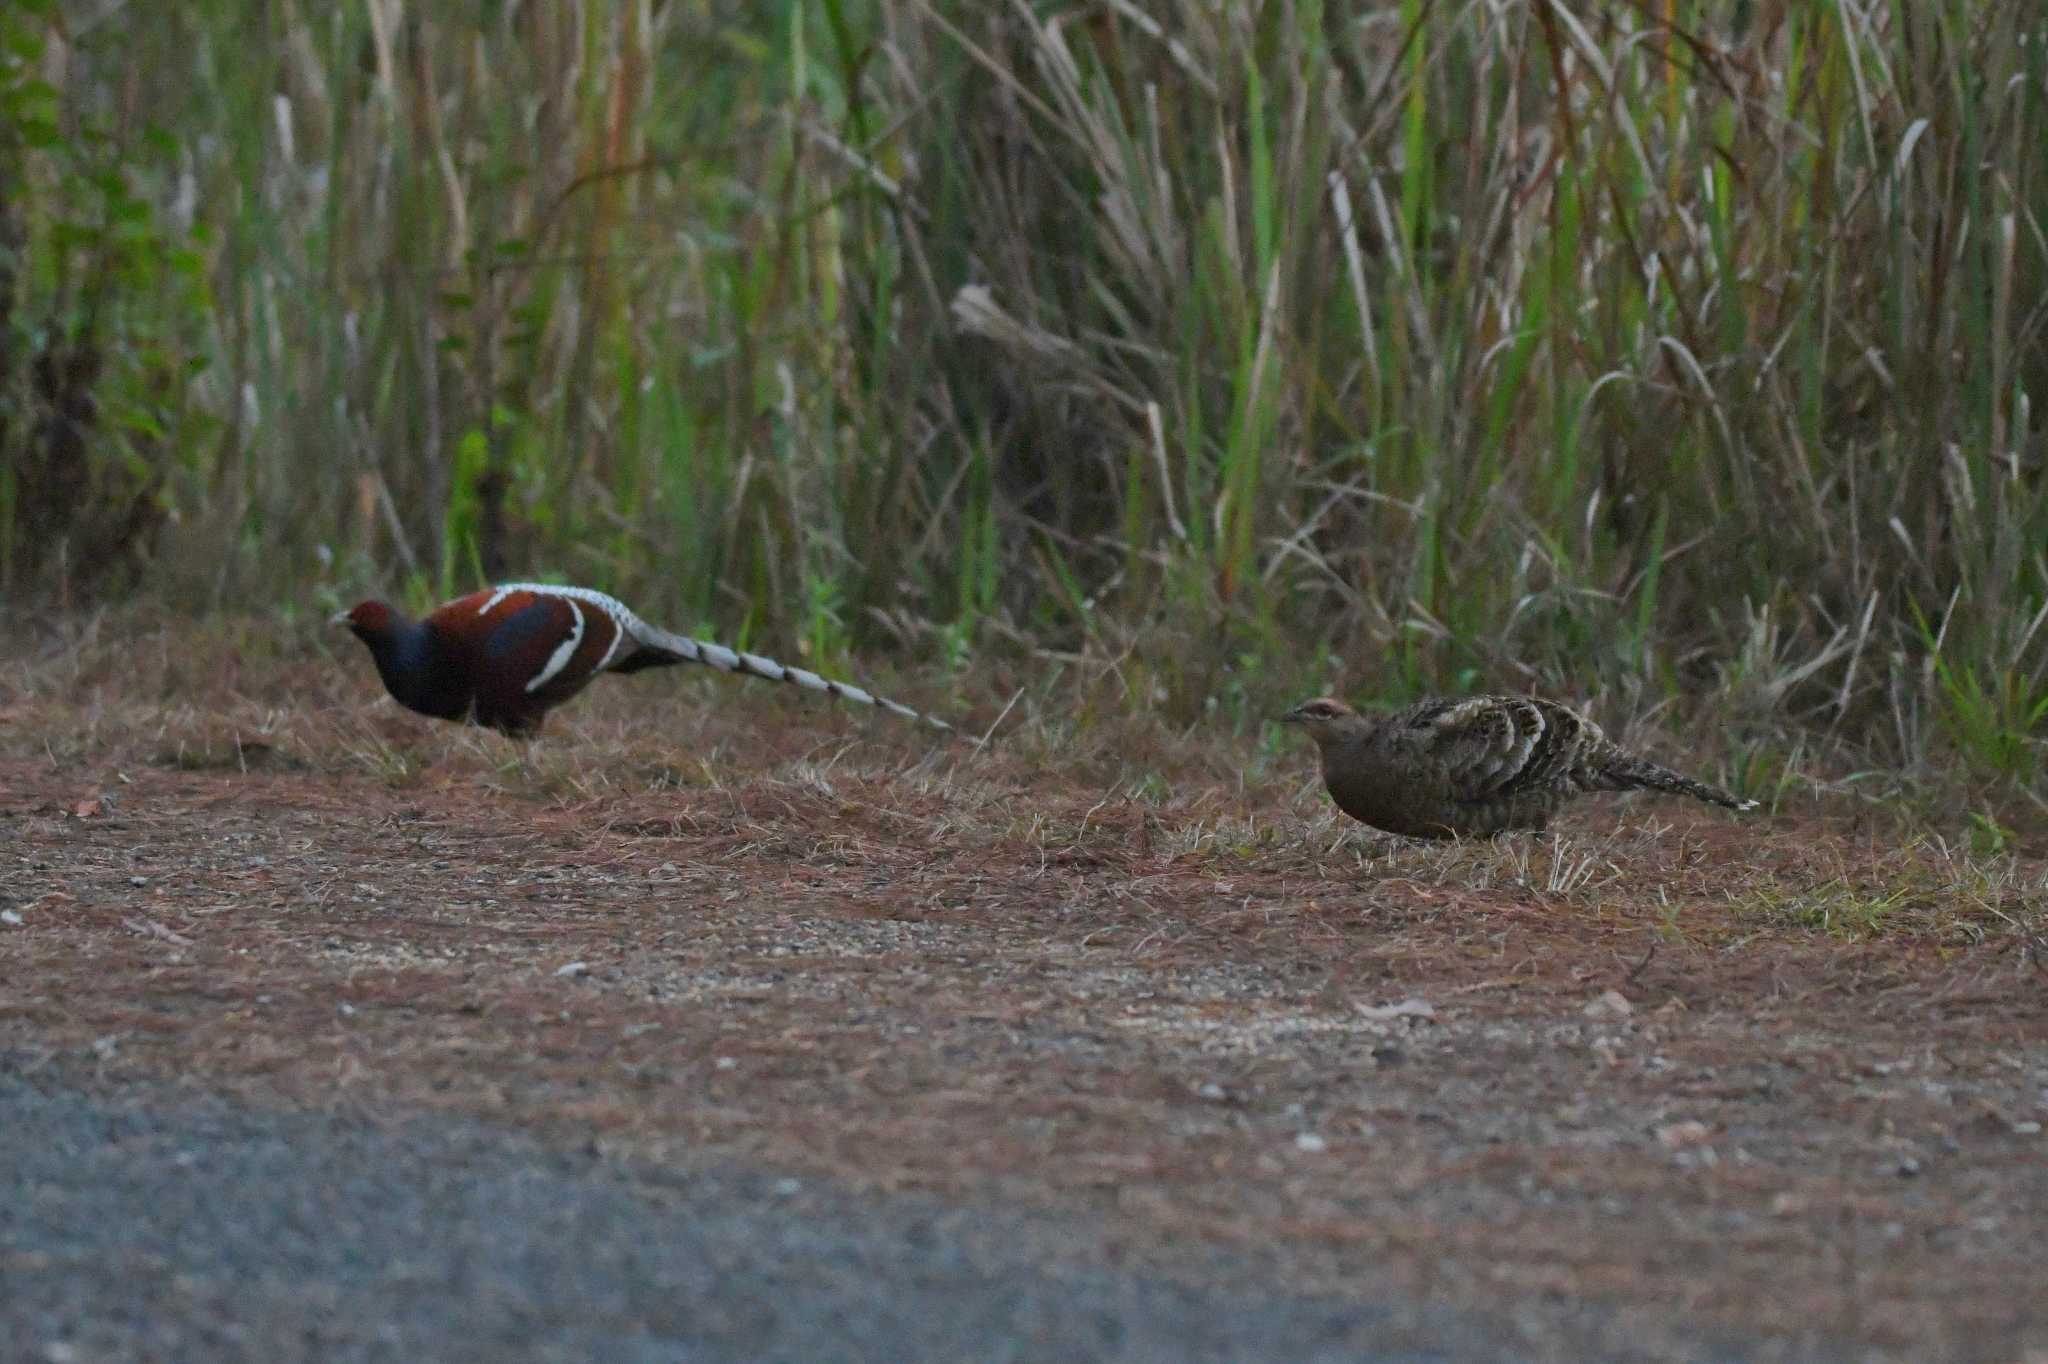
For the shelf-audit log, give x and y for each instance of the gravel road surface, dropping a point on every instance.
(172, 1227)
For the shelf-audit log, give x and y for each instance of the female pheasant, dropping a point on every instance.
(1481, 765)
(507, 655)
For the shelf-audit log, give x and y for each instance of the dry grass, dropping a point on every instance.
(1780, 1075)
(1679, 358)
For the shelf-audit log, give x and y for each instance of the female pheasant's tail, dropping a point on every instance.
(1626, 772)
(684, 649)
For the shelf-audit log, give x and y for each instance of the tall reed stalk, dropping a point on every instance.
(1662, 349)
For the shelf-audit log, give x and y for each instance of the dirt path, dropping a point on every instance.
(1626, 1074)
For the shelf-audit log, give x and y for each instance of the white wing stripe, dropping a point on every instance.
(565, 651)
(618, 638)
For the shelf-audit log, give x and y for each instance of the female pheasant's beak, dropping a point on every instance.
(1293, 717)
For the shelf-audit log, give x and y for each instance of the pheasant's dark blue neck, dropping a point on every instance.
(405, 660)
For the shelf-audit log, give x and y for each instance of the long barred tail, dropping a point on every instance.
(1625, 771)
(755, 665)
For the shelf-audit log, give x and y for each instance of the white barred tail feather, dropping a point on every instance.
(654, 639)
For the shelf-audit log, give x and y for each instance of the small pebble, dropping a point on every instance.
(1311, 1143)
(138, 880)
(1613, 1004)
(1679, 1135)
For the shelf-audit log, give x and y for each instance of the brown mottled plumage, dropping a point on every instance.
(1478, 765)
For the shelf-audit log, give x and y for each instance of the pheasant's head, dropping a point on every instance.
(369, 620)
(400, 646)
(1326, 719)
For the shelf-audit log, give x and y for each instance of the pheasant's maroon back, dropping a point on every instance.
(526, 650)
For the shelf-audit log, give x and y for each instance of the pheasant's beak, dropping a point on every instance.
(338, 618)
(1292, 717)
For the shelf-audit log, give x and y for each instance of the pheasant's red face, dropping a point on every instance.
(365, 618)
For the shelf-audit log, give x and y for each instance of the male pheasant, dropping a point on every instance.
(1481, 765)
(507, 655)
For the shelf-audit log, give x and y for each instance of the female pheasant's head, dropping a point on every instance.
(1325, 719)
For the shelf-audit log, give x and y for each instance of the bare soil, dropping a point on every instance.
(1781, 1078)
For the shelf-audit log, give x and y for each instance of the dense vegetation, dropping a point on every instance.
(1666, 348)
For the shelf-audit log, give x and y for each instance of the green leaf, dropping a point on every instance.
(22, 42)
(38, 133)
